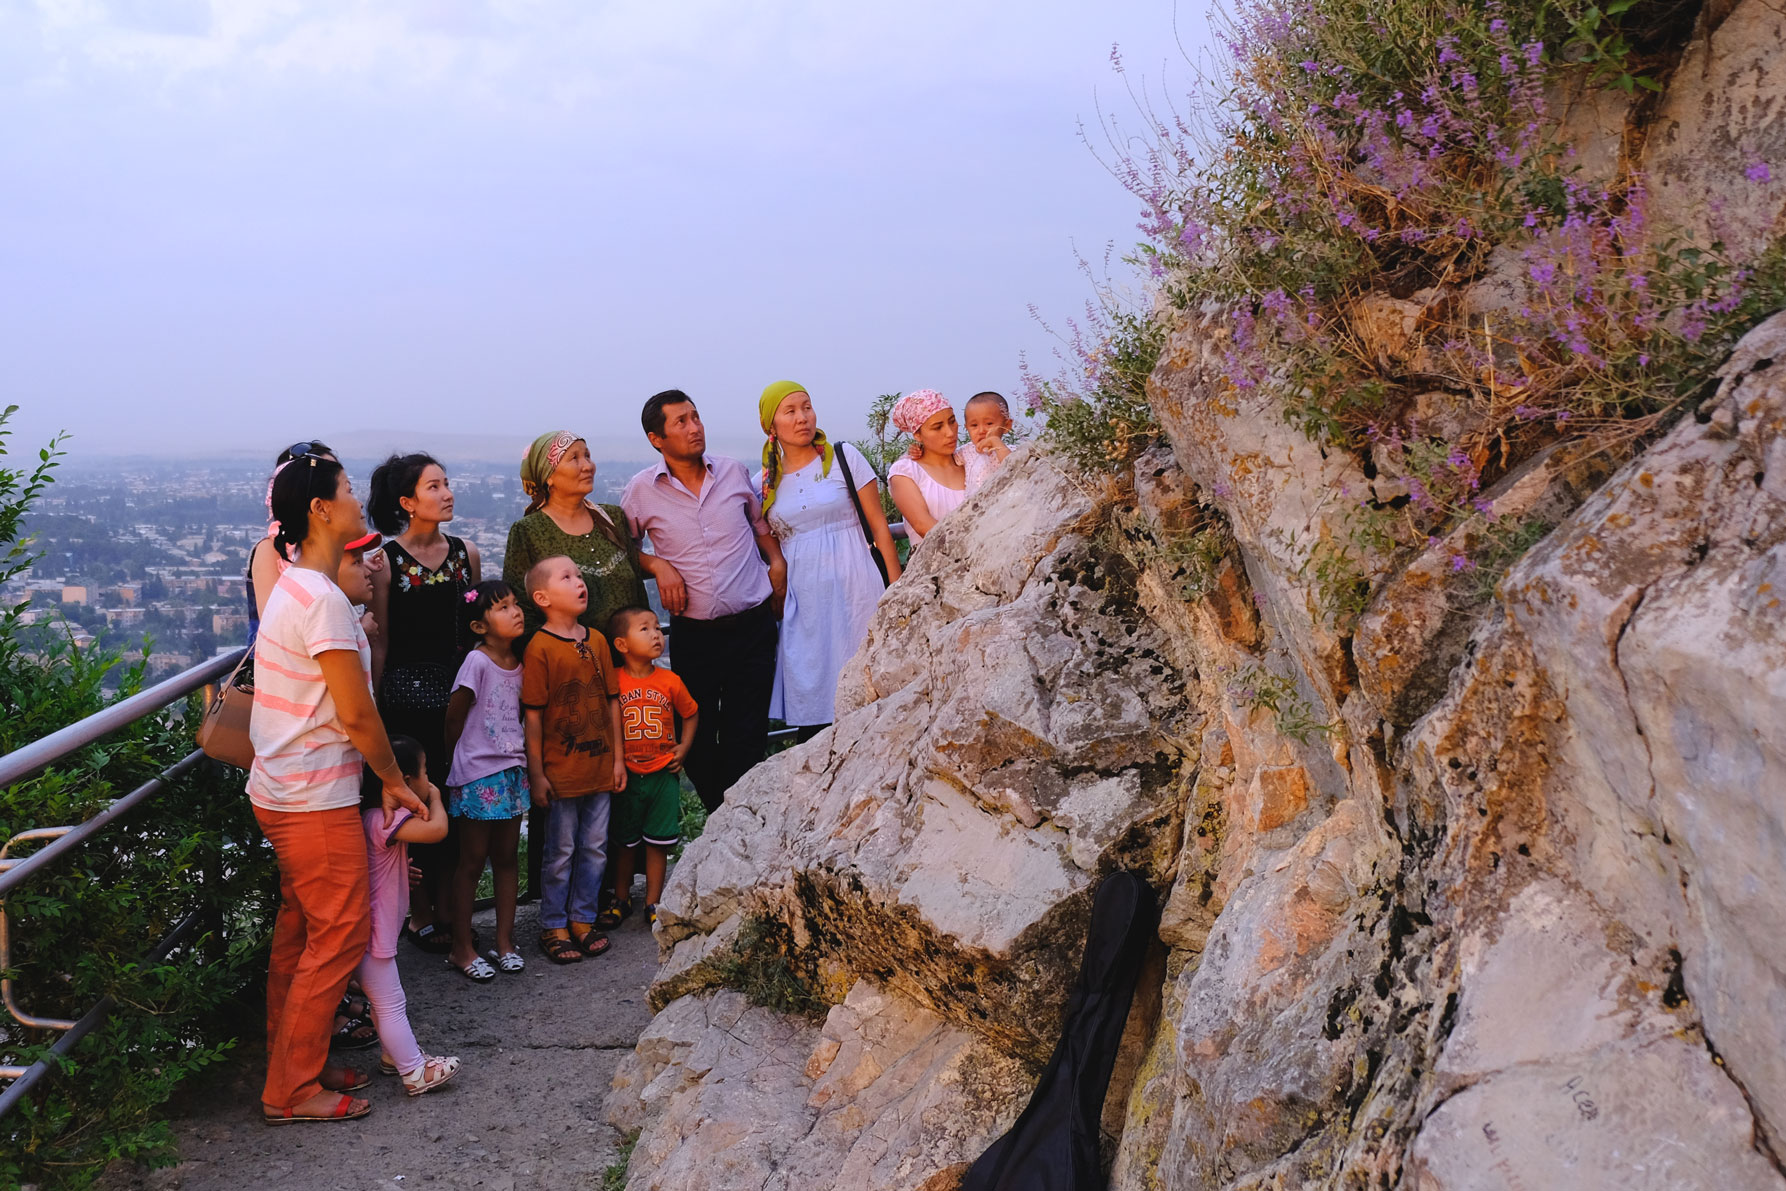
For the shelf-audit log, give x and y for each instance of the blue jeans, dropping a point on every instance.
(575, 853)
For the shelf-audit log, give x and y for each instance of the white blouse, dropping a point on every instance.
(939, 499)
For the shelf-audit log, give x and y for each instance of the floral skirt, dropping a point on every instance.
(504, 795)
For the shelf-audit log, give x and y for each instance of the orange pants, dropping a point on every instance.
(323, 928)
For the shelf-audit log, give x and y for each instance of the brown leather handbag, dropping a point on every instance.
(223, 733)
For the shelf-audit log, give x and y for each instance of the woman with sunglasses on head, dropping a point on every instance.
(266, 563)
(314, 720)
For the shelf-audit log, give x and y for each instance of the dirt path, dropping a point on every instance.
(523, 1114)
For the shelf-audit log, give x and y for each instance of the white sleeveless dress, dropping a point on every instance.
(940, 500)
(833, 586)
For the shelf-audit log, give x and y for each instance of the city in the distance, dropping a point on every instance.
(144, 551)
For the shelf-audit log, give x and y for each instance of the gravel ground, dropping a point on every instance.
(523, 1113)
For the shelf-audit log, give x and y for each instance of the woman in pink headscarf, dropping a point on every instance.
(927, 488)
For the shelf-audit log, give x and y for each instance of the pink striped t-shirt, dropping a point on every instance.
(303, 760)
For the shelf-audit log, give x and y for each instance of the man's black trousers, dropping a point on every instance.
(728, 665)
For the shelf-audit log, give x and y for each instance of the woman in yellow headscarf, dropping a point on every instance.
(823, 503)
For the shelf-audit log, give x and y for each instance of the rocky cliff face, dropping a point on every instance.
(1015, 726)
(1484, 891)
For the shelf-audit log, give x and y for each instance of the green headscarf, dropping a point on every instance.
(771, 401)
(541, 461)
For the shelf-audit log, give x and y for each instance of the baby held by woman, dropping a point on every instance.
(987, 419)
(939, 472)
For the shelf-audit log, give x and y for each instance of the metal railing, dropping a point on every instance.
(16, 872)
(26, 762)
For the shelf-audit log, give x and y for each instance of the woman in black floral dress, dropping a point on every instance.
(416, 599)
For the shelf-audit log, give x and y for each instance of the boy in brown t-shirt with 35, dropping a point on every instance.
(574, 759)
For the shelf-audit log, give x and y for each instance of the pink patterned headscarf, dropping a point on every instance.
(918, 407)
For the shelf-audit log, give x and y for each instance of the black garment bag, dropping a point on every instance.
(1054, 1144)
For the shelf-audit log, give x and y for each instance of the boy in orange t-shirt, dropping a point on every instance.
(571, 723)
(650, 810)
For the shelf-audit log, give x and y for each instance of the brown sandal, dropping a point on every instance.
(593, 943)
(560, 951)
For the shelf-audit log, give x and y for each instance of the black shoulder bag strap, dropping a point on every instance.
(849, 482)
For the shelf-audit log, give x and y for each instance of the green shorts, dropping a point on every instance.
(650, 810)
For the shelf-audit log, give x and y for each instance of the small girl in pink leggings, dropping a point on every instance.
(387, 858)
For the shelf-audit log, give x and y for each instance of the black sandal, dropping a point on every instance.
(358, 1031)
(560, 951)
(593, 943)
(434, 938)
(615, 914)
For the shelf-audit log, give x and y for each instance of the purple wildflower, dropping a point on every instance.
(1758, 172)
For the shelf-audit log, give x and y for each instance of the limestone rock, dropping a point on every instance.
(883, 1095)
(1013, 729)
(1414, 633)
(1284, 494)
(1504, 942)
(1597, 1122)
(1483, 894)
(1722, 117)
(1657, 618)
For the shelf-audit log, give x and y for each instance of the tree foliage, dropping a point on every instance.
(82, 931)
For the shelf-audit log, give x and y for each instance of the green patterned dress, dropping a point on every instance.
(613, 574)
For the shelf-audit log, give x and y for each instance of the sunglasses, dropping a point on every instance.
(300, 449)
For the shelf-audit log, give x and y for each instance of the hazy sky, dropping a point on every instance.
(233, 223)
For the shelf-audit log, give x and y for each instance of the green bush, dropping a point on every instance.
(614, 1177)
(81, 931)
(1350, 168)
(760, 966)
(1095, 411)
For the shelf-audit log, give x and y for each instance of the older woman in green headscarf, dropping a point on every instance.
(823, 504)
(558, 476)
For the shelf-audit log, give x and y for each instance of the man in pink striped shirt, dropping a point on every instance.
(721, 577)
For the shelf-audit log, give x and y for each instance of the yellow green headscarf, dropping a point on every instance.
(541, 461)
(771, 400)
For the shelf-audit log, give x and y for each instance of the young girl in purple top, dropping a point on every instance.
(388, 836)
(487, 791)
